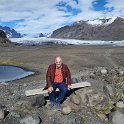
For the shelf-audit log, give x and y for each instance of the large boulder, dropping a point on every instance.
(21, 104)
(38, 101)
(76, 99)
(92, 97)
(29, 102)
(116, 117)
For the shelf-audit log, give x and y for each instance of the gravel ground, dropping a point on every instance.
(37, 58)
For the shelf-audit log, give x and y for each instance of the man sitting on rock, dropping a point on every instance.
(58, 76)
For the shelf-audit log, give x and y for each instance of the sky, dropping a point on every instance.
(45, 16)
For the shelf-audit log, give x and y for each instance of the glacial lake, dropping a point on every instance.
(10, 73)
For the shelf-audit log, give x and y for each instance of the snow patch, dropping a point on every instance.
(102, 21)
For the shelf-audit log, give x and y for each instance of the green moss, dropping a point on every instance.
(84, 120)
(108, 108)
(114, 98)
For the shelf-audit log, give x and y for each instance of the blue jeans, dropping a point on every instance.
(63, 92)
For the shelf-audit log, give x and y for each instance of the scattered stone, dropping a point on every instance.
(120, 84)
(114, 71)
(2, 106)
(75, 99)
(109, 90)
(121, 73)
(30, 120)
(2, 114)
(123, 99)
(78, 121)
(97, 73)
(15, 114)
(108, 79)
(66, 110)
(74, 80)
(82, 78)
(103, 71)
(102, 116)
(120, 104)
(115, 79)
(116, 117)
(92, 75)
(83, 98)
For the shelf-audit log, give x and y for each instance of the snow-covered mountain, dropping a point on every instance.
(11, 33)
(100, 21)
(103, 28)
(32, 35)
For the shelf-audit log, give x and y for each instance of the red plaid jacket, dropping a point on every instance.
(50, 75)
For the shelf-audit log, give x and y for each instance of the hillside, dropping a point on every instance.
(4, 41)
(111, 28)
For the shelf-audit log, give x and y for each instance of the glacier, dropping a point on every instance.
(40, 41)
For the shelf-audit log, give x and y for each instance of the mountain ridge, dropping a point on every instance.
(10, 32)
(88, 31)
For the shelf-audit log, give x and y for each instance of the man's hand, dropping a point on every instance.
(69, 87)
(50, 89)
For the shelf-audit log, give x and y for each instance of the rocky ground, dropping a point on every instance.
(102, 103)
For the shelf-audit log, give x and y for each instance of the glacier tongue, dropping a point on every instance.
(41, 41)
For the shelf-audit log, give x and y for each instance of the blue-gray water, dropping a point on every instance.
(9, 73)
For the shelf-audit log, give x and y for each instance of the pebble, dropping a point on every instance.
(120, 104)
(66, 110)
(2, 114)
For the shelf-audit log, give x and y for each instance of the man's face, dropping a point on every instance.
(58, 63)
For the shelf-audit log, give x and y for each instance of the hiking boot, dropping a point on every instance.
(52, 104)
(58, 106)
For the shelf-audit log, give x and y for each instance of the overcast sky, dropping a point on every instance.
(36, 16)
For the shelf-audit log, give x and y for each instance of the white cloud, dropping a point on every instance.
(44, 16)
(117, 7)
